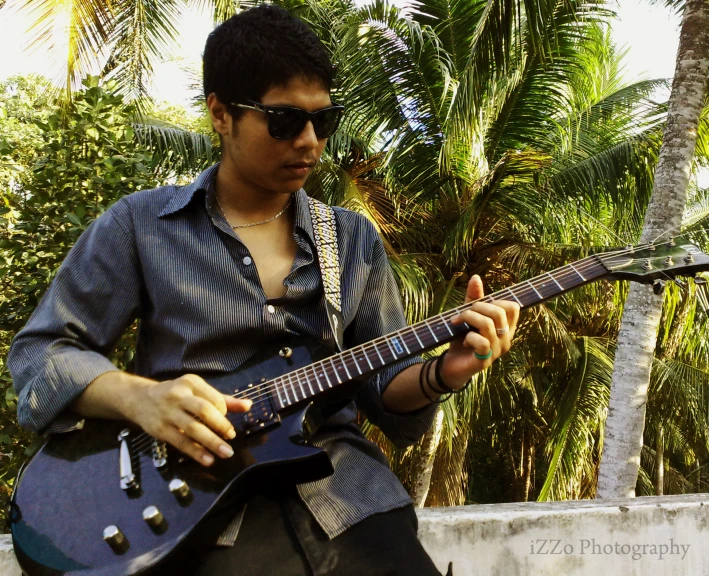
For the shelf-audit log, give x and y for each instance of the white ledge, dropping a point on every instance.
(661, 536)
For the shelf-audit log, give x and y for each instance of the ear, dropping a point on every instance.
(222, 120)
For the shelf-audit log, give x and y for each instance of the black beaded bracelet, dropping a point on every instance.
(425, 373)
(439, 379)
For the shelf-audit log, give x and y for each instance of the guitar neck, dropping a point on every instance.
(366, 359)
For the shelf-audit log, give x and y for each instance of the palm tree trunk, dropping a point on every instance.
(660, 462)
(422, 469)
(527, 470)
(638, 332)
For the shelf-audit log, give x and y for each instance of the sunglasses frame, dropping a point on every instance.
(269, 111)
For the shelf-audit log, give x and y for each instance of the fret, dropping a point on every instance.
(324, 371)
(376, 349)
(302, 388)
(515, 297)
(356, 363)
(535, 290)
(295, 393)
(418, 339)
(390, 348)
(285, 392)
(432, 332)
(278, 391)
(336, 373)
(315, 371)
(403, 341)
(448, 327)
(555, 282)
(307, 381)
(366, 357)
(577, 272)
(344, 363)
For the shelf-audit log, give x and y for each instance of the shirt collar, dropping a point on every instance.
(206, 181)
(184, 195)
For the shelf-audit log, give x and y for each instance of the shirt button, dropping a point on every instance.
(271, 308)
(247, 260)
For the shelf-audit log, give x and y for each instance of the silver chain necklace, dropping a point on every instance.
(271, 219)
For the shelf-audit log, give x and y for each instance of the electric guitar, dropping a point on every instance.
(109, 500)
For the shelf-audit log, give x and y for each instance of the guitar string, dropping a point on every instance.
(264, 390)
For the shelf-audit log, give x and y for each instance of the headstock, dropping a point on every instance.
(656, 262)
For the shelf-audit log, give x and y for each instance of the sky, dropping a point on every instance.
(650, 33)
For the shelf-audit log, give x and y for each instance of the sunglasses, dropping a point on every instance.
(286, 122)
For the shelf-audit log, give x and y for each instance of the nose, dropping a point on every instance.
(307, 137)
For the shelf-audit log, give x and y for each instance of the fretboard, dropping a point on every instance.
(366, 359)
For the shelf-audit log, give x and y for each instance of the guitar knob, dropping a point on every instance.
(179, 488)
(658, 287)
(113, 536)
(153, 517)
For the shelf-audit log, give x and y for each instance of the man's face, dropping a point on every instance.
(264, 163)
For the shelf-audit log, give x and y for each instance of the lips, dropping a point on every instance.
(300, 169)
(301, 165)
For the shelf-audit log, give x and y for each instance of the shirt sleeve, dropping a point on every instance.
(380, 312)
(93, 298)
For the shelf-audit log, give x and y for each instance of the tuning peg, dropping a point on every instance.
(680, 282)
(700, 281)
(658, 287)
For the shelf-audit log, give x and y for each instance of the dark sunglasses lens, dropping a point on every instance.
(286, 123)
(325, 122)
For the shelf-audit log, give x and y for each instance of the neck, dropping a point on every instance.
(243, 203)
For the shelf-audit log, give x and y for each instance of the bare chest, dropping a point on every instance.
(273, 253)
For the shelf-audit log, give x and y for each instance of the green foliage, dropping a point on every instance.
(86, 159)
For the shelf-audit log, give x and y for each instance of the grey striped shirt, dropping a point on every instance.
(168, 257)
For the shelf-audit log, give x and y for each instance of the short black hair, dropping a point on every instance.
(258, 49)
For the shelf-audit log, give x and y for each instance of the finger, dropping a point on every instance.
(512, 309)
(484, 325)
(480, 346)
(498, 314)
(201, 388)
(237, 404)
(475, 289)
(209, 416)
(187, 446)
(202, 435)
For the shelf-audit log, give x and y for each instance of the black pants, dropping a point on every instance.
(279, 537)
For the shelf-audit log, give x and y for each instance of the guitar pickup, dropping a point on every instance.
(261, 417)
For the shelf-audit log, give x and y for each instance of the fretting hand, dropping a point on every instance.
(495, 323)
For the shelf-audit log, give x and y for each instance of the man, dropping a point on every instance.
(218, 269)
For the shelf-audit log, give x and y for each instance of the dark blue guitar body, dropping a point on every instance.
(70, 491)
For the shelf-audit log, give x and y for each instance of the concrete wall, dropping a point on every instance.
(643, 536)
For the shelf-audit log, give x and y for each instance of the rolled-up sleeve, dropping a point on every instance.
(380, 312)
(93, 298)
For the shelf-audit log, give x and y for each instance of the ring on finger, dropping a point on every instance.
(502, 331)
(482, 357)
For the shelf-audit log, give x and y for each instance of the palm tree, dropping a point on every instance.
(495, 176)
(641, 317)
